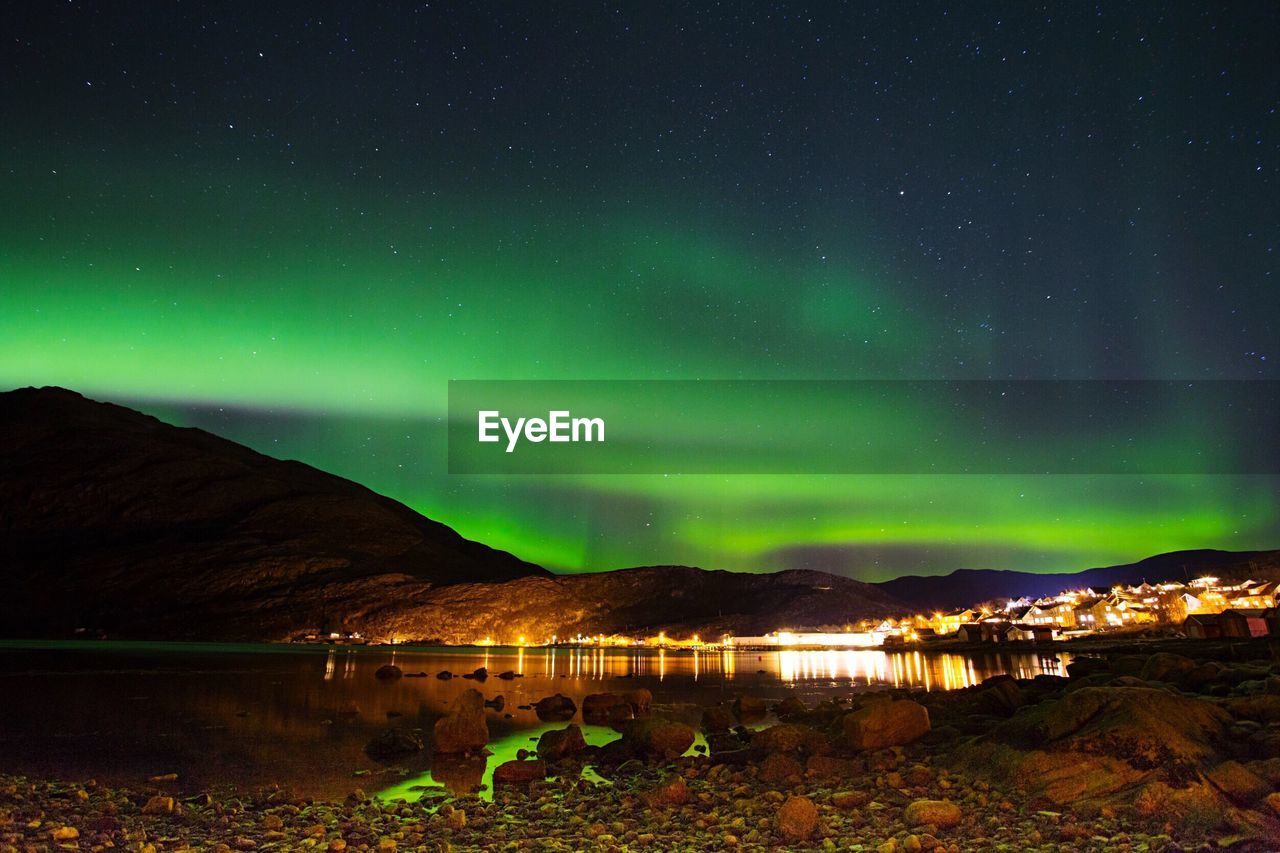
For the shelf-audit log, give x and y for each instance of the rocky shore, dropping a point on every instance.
(1134, 752)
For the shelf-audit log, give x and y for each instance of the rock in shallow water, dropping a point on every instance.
(464, 729)
(555, 708)
(557, 744)
(656, 738)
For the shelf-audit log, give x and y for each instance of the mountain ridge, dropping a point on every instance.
(966, 587)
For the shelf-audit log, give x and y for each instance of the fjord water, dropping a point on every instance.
(299, 716)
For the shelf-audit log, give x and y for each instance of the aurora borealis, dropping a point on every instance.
(292, 228)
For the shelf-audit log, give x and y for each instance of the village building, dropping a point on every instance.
(1244, 623)
(949, 623)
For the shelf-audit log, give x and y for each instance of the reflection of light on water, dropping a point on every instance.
(349, 665)
(905, 669)
(330, 663)
(662, 664)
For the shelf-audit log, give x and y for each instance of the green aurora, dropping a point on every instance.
(322, 326)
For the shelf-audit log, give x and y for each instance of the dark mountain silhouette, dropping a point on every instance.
(112, 522)
(965, 587)
(112, 519)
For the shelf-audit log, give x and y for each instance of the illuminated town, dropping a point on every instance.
(1203, 608)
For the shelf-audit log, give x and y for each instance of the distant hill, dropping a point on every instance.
(678, 599)
(966, 587)
(116, 523)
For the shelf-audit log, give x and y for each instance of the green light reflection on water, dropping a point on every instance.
(504, 748)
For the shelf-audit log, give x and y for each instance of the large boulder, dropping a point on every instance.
(557, 744)
(658, 738)
(388, 672)
(1096, 741)
(1147, 727)
(555, 708)
(464, 729)
(885, 722)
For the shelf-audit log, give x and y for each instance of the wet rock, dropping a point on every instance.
(940, 813)
(508, 675)
(465, 728)
(1203, 675)
(656, 738)
(1000, 696)
(1097, 741)
(497, 703)
(749, 708)
(1081, 667)
(640, 700)
(886, 722)
(388, 672)
(672, 791)
(850, 800)
(789, 707)
(1238, 782)
(829, 767)
(444, 676)
(1262, 708)
(716, 720)
(160, 805)
(779, 767)
(480, 673)
(516, 773)
(393, 743)
(1165, 666)
(596, 706)
(558, 744)
(790, 738)
(555, 708)
(725, 742)
(620, 715)
(797, 819)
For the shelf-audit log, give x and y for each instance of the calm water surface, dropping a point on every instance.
(300, 716)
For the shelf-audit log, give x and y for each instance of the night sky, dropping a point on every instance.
(292, 223)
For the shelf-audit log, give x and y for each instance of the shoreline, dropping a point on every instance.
(813, 778)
